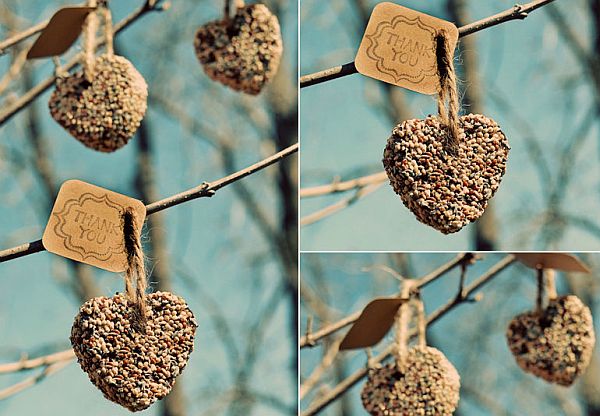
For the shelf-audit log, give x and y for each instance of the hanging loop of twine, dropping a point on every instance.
(403, 319)
(135, 274)
(448, 103)
(89, 42)
(546, 287)
(227, 9)
(421, 321)
(108, 28)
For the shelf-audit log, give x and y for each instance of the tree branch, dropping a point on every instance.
(28, 364)
(517, 12)
(336, 186)
(202, 191)
(310, 340)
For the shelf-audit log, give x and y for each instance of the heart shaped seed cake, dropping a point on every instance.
(446, 187)
(427, 384)
(556, 344)
(105, 113)
(243, 52)
(131, 368)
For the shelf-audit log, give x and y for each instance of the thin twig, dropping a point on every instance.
(202, 191)
(28, 364)
(32, 381)
(517, 12)
(21, 36)
(340, 205)
(350, 319)
(336, 186)
(43, 86)
(332, 395)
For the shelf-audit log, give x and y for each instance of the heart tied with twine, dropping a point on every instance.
(554, 342)
(445, 168)
(134, 345)
(242, 51)
(421, 380)
(102, 105)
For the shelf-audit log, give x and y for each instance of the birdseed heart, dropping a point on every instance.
(132, 368)
(243, 52)
(446, 187)
(426, 384)
(555, 344)
(105, 113)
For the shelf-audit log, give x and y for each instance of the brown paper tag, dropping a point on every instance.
(398, 47)
(62, 31)
(559, 261)
(86, 225)
(374, 322)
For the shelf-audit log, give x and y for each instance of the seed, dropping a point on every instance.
(105, 113)
(425, 383)
(130, 368)
(555, 344)
(243, 53)
(465, 178)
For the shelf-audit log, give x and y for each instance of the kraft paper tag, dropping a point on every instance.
(558, 261)
(398, 47)
(374, 322)
(62, 31)
(86, 225)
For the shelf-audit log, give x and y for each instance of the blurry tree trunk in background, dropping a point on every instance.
(156, 247)
(485, 229)
(83, 284)
(283, 102)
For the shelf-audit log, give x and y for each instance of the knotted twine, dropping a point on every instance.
(546, 287)
(403, 319)
(135, 274)
(227, 9)
(448, 104)
(89, 36)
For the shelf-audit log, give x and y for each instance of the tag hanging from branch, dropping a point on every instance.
(555, 341)
(134, 345)
(102, 105)
(398, 47)
(446, 168)
(393, 390)
(62, 30)
(243, 50)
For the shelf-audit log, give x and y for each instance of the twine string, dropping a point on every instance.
(540, 290)
(135, 274)
(550, 285)
(448, 103)
(421, 322)
(403, 318)
(227, 9)
(89, 41)
(108, 28)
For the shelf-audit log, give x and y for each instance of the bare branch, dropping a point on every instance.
(32, 381)
(28, 364)
(202, 191)
(340, 205)
(337, 186)
(350, 319)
